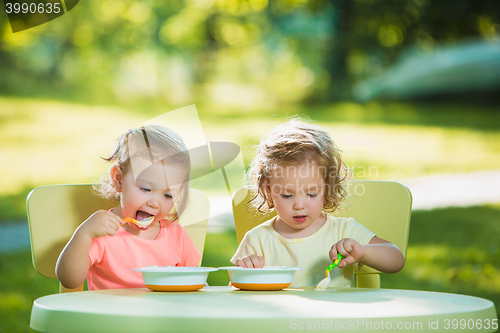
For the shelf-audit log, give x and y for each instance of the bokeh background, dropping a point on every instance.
(407, 88)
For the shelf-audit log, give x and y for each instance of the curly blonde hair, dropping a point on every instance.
(293, 143)
(155, 143)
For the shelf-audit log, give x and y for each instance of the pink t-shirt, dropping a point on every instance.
(113, 257)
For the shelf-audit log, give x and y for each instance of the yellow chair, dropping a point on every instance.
(55, 211)
(384, 207)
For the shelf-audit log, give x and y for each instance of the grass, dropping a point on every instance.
(20, 285)
(450, 250)
(219, 248)
(453, 250)
(52, 142)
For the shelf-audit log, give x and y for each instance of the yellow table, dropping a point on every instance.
(226, 309)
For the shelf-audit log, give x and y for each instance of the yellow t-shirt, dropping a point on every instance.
(310, 252)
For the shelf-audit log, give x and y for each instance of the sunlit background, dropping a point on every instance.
(408, 89)
(242, 54)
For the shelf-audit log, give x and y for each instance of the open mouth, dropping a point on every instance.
(144, 219)
(141, 215)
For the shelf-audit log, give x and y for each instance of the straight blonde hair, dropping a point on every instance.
(155, 143)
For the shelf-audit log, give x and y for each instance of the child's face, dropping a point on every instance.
(149, 194)
(298, 194)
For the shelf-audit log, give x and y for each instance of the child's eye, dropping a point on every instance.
(312, 195)
(145, 189)
(286, 196)
(168, 195)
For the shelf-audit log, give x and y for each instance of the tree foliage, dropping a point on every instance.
(234, 51)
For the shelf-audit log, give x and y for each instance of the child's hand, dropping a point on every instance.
(102, 222)
(251, 261)
(351, 250)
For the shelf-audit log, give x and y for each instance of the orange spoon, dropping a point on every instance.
(143, 223)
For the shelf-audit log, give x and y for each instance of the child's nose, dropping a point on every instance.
(153, 201)
(299, 204)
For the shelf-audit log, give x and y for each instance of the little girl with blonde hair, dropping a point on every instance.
(299, 172)
(149, 174)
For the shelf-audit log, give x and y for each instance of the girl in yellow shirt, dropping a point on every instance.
(299, 172)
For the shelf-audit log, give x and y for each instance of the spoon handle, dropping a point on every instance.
(334, 264)
(129, 219)
(323, 284)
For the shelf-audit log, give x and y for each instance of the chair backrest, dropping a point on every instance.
(384, 207)
(55, 211)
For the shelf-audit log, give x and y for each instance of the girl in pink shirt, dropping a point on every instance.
(150, 173)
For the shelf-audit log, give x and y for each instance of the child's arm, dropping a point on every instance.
(249, 253)
(73, 262)
(250, 261)
(378, 254)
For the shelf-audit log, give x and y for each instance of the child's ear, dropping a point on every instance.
(117, 178)
(267, 189)
(268, 197)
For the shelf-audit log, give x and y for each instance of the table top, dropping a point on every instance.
(226, 309)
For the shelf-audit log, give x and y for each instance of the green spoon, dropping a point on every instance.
(323, 284)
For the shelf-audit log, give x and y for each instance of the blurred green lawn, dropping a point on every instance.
(52, 142)
(450, 250)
